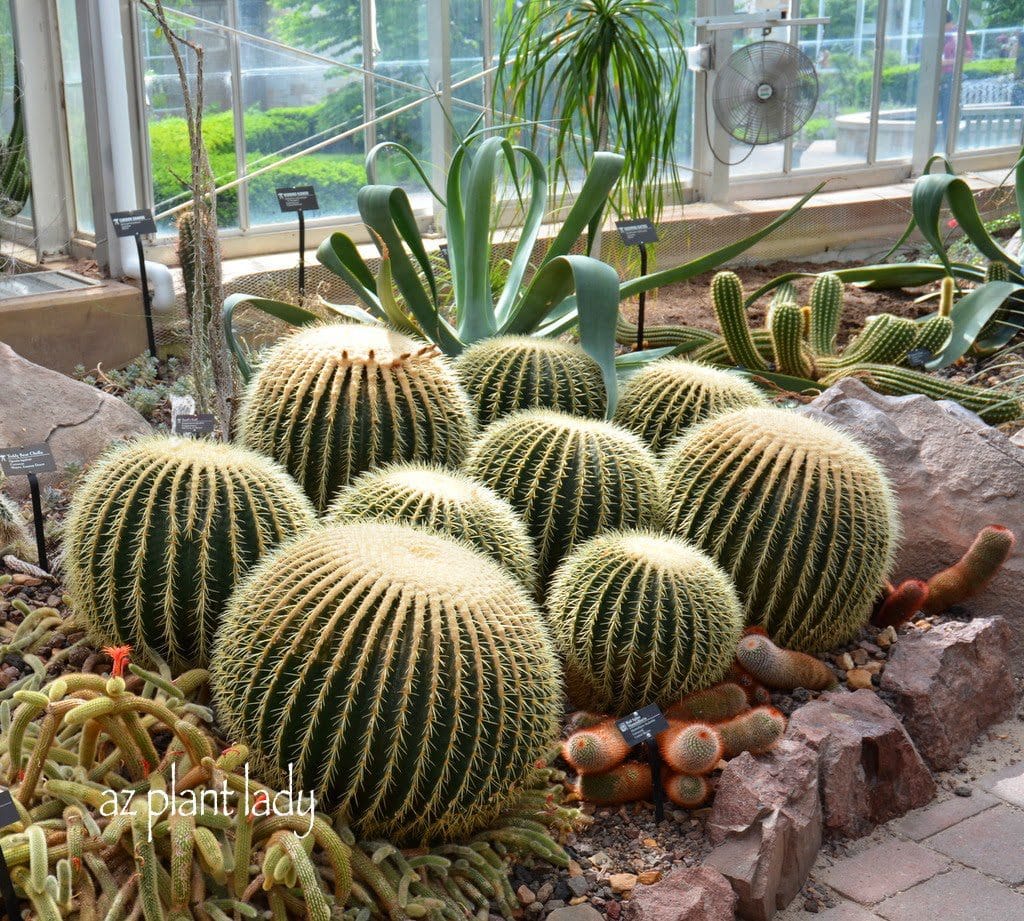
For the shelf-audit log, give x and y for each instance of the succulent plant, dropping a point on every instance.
(792, 355)
(569, 478)
(509, 373)
(14, 536)
(972, 572)
(627, 783)
(800, 515)
(596, 749)
(826, 312)
(782, 669)
(329, 402)
(691, 748)
(667, 397)
(884, 340)
(682, 338)
(407, 678)
(713, 704)
(446, 502)
(727, 298)
(933, 334)
(900, 603)
(641, 618)
(161, 530)
(755, 731)
(687, 790)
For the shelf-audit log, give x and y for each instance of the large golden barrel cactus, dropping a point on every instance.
(667, 397)
(406, 678)
(641, 618)
(799, 514)
(160, 531)
(509, 373)
(329, 402)
(446, 502)
(570, 478)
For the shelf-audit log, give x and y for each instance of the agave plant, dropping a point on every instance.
(560, 293)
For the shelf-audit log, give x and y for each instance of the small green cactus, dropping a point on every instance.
(727, 297)
(782, 669)
(596, 749)
(329, 402)
(446, 502)
(641, 618)
(569, 478)
(933, 334)
(668, 396)
(691, 748)
(826, 312)
(406, 678)
(719, 702)
(510, 373)
(162, 529)
(786, 325)
(972, 572)
(627, 783)
(755, 731)
(686, 790)
(885, 339)
(799, 514)
(682, 338)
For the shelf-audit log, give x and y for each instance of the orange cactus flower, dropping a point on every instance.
(119, 656)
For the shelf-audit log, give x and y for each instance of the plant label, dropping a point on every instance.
(27, 459)
(918, 358)
(444, 251)
(299, 198)
(637, 231)
(8, 812)
(194, 425)
(642, 725)
(133, 223)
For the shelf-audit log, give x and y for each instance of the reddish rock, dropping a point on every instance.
(766, 825)
(950, 684)
(870, 771)
(953, 475)
(691, 894)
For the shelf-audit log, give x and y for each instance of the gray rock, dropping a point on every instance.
(952, 473)
(951, 683)
(78, 422)
(578, 885)
(580, 912)
(694, 894)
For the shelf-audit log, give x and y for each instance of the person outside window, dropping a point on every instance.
(949, 55)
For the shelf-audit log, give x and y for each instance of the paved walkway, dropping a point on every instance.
(961, 859)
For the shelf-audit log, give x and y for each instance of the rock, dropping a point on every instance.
(766, 826)
(623, 882)
(953, 475)
(694, 894)
(578, 885)
(870, 771)
(845, 661)
(950, 684)
(525, 895)
(575, 913)
(545, 892)
(649, 877)
(78, 422)
(858, 678)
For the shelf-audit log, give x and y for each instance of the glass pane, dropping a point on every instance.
(684, 118)
(74, 114)
(168, 131)
(295, 102)
(991, 86)
(8, 57)
(467, 38)
(897, 110)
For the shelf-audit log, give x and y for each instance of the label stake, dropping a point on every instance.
(27, 461)
(136, 224)
(639, 232)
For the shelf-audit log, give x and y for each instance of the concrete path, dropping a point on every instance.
(958, 859)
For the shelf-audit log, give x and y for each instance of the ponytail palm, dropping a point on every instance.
(609, 73)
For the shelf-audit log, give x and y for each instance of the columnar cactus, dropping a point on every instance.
(446, 502)
(884, 339)
(570, 478)
(641, 618)
(668, 396)
(799, 514)
(162, 529)
(329, 402)
(755, 731)
(782, 669)
(933, 334)
(627, 783)
(719, 702)
(509, 373)
(972, 572)
(596, 749)
(786, 325)
(727, 298)
(406, 678)
(826, 312)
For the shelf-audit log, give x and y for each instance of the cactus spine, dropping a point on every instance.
(509, 373)
(782, 669)
(727, 297)
(329, 402)
(596, 749)
(668, 396)
(641, 618)
(719, 702)
(826, 311)
(446, 502)
(799, 514)
(691, 748)
(569, 478)
(406, 677)
(786, 325)
(162, 529)
(755, 731)
(972, 572)
(687, 790)
(628, 783)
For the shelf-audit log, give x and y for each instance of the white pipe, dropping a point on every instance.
(119, 139)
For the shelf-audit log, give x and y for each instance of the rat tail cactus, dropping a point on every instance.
(782, 669)
(596, 749)
(691, 748)
(667, 397)
(686, 790)
(972, 572)
(508, 373)
(719, 702)
(641, 618)
(627, 783)
(901, 603)
(446, 502)
(755, 731)
(162, 529)
(329, 402)
(800, 515)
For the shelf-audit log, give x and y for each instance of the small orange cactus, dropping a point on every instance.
(972, 572)
(595, 749)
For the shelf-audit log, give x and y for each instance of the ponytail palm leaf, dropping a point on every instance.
(610, 72)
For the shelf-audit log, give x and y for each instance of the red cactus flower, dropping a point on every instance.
(119, 656)
(952, 223)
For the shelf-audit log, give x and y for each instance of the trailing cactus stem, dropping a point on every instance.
(596, 749)
(901, 603)
(719, 702)
(627, 783)
(786, 324)
(972, 572)
(933, 334)
(727, 297)
(684, 338)
(884, 341)
(782, 669)
(826, 312)
(755, 731)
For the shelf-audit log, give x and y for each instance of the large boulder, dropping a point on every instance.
(953, 475)
(766, 826)
(686, 894)
(869, 770)
(39, 406)
(951, 683)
